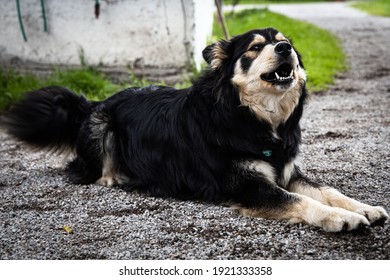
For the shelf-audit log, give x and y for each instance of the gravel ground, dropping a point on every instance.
(345, 144)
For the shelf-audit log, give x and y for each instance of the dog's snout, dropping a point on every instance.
(283, 49)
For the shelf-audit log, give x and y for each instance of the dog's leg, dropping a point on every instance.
(307, 210)
(258, 197)
(108, 178)
(104, 137)
(111, 176)
(331, 197)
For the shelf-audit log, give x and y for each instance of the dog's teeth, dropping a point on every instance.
(279, 78)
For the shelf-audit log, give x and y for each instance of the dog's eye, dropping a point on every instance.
(256, 48)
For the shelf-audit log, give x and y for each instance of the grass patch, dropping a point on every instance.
(13, 86)
(321, 51)
(86, 81)
(374, 7)
(231, 2)
(89, 82)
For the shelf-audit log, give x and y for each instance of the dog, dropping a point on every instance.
(232, 137)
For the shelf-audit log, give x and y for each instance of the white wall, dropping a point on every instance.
(135, 33)
(204, 17)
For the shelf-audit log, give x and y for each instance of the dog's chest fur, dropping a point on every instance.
(275, 109)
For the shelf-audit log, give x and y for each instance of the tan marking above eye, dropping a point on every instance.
(258, 39)
(280, 37)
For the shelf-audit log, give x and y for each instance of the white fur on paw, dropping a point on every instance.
(374, 214)
(106, 181)
(342, 220)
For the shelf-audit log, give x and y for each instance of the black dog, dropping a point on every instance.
(231, 137)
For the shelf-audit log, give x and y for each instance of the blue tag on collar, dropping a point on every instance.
(267, 153)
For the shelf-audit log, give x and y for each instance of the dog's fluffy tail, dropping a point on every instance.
(48, 118)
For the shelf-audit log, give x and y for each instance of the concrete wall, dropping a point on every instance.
(152, 34)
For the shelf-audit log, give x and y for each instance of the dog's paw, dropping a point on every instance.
(112, 181)
(342, 220)
(376, 215)
(107, 181)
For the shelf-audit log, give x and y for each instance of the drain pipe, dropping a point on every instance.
(44, 15)
(21, 21)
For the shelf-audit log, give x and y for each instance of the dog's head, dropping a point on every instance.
(265, 68)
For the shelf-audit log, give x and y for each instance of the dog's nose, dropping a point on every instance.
(283, 49)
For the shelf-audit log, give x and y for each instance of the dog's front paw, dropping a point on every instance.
(376, 215)
(342, 220)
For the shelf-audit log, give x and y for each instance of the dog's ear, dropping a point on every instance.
(215, 54)
(208, 53)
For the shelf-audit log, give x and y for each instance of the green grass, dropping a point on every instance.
(321, 51)
(84, 80)
(230, 2)
(374, 7)
(12, 86)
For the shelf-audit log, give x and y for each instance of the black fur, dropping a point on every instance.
(48, 118)
(246, 62)
(185, 143)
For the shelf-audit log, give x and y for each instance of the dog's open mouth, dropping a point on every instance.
(284, 74)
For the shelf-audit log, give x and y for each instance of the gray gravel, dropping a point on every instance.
(345, 143)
